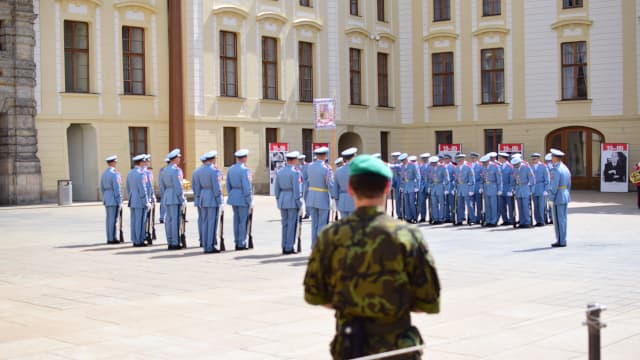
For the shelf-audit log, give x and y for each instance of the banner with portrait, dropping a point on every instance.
(277, 160)
(324, 113)
(614, 167)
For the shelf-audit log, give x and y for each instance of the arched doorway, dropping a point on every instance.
(83, 169)
(349, 139)
(582, 154)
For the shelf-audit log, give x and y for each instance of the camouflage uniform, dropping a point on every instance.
(373, 270)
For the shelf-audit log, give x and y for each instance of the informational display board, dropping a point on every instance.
(511, 149)
(324, 113)
(451, 149)
(615, 167)
(277, 161)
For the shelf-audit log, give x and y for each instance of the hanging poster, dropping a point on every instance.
(451, 149)
(615, 165)
(277, 161)
(511, 149)
(324, 113)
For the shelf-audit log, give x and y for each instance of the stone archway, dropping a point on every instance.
(349, 139)
(582, 147)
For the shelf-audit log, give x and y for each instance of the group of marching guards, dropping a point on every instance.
(207, 190)
(482, 190)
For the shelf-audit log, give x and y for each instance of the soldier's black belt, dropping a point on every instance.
(375, 327)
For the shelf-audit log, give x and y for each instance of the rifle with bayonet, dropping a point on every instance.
(183, 227)
(222, 247)
(147, 230)
(153, 222)
(120, 224)
(250, 227)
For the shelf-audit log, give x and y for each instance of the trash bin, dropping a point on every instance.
(65, 194)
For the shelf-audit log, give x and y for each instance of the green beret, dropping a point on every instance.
(368, 164)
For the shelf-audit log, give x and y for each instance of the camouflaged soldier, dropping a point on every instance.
(373, 270)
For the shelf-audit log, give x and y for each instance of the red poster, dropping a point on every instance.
(448, 148)
(278, 147)
(615, 147)
(511, 148)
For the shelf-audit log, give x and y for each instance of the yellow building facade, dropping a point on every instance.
(406, 75)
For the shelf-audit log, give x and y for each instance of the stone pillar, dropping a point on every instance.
(20, 174)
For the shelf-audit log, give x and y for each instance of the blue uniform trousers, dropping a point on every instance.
(409, 206)
(524, 214)
(240, 217)
(398, 199)
(319, 219)
(465, 201)
(477, 206)
(505, 208)
(448, 207)
(163, 210)
(491, 209)
(539, 205)
(200, 224)
(289, 220)
(209, 225)
(422, 204)
(172, 224)
(138, 223)
(437, 206)
(112, 216)
(559, 213)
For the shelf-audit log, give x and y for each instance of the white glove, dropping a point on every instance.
(480, 191)
(149, 206)
(499, 193)
(509, 193)
(446, 192)
(184, 202)
(453, 192)
(252, 204)
(545, 193)
(470, 193)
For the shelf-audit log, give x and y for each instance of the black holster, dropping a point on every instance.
(353, 339)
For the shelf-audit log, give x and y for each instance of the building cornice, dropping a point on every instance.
(575, 21)
(357, 30)
(266, 15)
(491, 29)
(233, 9)
(440, 34)
(132, 4)
(308, 22)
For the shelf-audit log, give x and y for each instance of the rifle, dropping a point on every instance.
(401, 205)
(299, 230)
(514, 209)
(483, 218)
(393, 195)
(249, 228)
(429, 204)
(469, 213)
(531, 207)
(147, 230)
(416, 203)
(183, 228)
(153, 222)
(120, 225)
(548, 216)
(455, 207)
(222, 247)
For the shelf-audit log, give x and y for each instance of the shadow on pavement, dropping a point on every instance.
(285, 259)
(533, 249)
(300, 263)
(79, 246)
(257, 257)
(145, 250)
(181, 255)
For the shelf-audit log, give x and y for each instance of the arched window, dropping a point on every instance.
(582, 148)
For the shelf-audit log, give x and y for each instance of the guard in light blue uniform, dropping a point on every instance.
(465, 185)
(151, 192)
(523, 181)
(491, 181)
(206, 188)
(540, 189)
(477, 168)
(395, 182)
(173, 198)
(409, 186)
(195, 186)
(559, 189)
(344, 201)
(302, 167)
(111, 197)
(320, 181)
(138, 200)
(505, 202)
(163, 210)
(240, 197)
(438, 187)
(449, 195)
(423, 194)
(288, 191)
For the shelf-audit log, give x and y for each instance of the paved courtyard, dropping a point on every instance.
(64, 294)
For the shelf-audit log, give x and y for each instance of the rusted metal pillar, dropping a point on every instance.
(176, 85)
